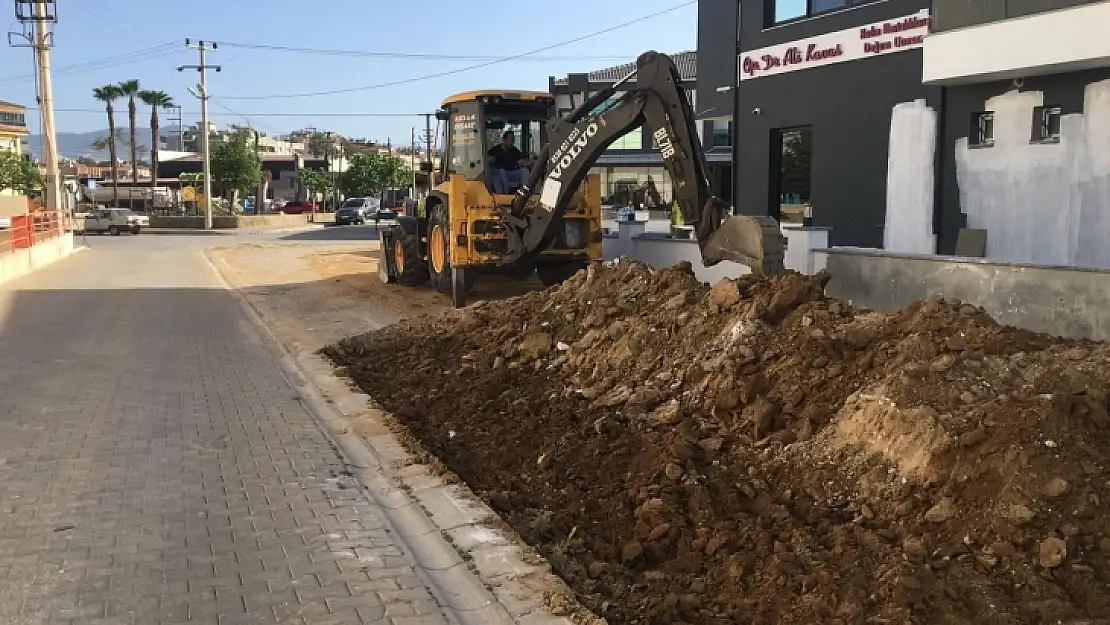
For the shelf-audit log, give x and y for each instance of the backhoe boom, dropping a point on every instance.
(576, 141)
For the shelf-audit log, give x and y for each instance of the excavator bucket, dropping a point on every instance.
(753, 241)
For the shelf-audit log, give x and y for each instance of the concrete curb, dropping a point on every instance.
(476, 572)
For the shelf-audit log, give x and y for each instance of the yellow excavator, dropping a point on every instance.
(550, 223)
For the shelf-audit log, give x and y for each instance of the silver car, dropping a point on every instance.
(356, 210)
(114, 221)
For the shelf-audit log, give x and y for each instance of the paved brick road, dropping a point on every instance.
(155, 467)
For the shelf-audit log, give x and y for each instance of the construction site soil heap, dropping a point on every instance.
(756, 452)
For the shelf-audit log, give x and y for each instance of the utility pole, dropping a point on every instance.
(428, 149)
(36, 16)
(178, 117)
(203, 68)
(412, 160)
(259, 195)
(332, 155)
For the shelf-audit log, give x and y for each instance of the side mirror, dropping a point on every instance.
(443, 115)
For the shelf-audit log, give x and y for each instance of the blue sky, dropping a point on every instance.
(104, 41)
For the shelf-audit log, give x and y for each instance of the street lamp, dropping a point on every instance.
(202, 94)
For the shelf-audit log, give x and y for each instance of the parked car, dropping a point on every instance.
(297, 208)
(384, 215)
(114, 221)
(356, 210)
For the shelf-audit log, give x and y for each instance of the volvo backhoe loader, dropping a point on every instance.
(525, 231)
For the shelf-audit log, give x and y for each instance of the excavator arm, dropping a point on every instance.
(576, 141)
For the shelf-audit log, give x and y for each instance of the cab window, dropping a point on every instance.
(466, 154)
(530, 133)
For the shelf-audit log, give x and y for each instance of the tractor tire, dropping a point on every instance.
(439, 249)
(408, 261)
(459, 287)
(384, 251)
(551, 274)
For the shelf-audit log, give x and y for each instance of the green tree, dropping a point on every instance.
(326, 144)
(315, 181)
(130, 90)
(109, 94)
(155, 100)
(370, 173)
(18, 173)
(236, 167)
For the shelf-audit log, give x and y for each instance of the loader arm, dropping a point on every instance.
(576, 141)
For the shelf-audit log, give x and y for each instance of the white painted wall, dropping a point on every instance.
(659, 253)
(1051, 42)
(20, 262)
(1042, 203)
(910, 179)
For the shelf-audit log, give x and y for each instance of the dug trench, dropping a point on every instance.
(755, 452)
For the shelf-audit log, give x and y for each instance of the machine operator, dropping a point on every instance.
(509, 165)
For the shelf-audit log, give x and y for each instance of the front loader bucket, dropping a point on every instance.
(749, 240)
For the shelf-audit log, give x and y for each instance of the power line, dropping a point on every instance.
(249, 115)
(244, 117)
(117, 19)
(408, 55)
(459, 70)
(142, 54)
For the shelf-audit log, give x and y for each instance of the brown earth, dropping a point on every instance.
(758, 453)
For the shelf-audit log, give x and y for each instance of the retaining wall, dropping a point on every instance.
(1064, 301)
(636, 239)
(227, 222)
(22, 261)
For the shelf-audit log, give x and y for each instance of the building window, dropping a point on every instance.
(722, 133)
(982, 129)
(791, 171)
(12, 119)
(641, 186)
(779, 11)
(634, 140)
(1046, 124)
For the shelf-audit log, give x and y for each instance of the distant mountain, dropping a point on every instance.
(76, 144)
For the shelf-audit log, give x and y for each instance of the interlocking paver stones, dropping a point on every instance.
(156, 467)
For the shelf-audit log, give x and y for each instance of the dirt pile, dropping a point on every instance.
(757, 453)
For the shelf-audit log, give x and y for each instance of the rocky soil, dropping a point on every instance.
(755, 452)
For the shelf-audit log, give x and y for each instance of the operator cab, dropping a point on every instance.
(477, 123)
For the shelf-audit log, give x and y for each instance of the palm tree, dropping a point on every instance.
(109, 94)
(130, 89)
(155, 100)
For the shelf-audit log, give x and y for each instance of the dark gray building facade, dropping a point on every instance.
(890, 122)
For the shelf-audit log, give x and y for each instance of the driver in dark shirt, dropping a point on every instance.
(509, 165)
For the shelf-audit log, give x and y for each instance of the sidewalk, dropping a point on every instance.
(157, 467)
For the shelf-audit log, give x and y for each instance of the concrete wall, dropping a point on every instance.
(12, 205)
(21, 262)
(225, 222)
(659, 250)
(1064, 301)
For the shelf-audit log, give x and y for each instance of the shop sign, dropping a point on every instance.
(897, 35)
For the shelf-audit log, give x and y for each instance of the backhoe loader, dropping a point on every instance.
(551, 222)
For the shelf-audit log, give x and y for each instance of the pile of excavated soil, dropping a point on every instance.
(755, 452)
